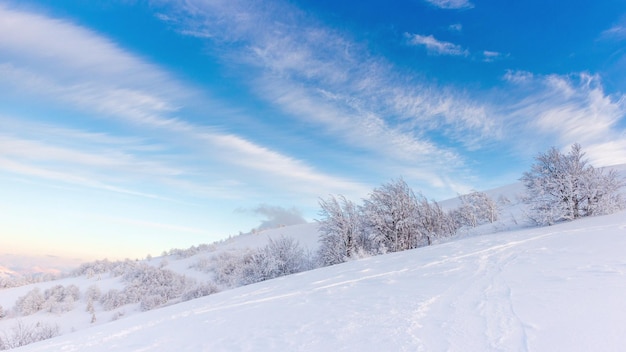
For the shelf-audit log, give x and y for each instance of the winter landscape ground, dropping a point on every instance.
(499, 287)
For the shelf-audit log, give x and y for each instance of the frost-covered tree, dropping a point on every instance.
(565, 187)
(398, 219)
(281, 256)
(390, 214)
(22, 334)
(30, 303)
(228, 267)
(476, 208)
(433, 222)
(61, 299)
(342, 235)
(200, 291)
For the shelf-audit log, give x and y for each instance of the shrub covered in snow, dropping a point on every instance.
(199, 291)
(280, 257)
(565, 187)
(398, 219)
(146, 283)
(342, 231)
(476, 208)
(59, 299)
(30, 303)
(23, 334)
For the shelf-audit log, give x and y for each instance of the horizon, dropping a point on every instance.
(130, 128)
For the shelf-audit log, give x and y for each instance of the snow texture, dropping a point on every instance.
(557, 288)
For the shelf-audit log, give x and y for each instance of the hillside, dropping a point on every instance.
(543, 289)
(499, 286)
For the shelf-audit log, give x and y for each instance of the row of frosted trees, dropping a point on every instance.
(559, 187)
(392, 219)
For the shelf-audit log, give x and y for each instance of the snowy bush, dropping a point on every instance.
(112, 299)
(30, 303)
(59, 299)
(94, 268)
(146, 285)
(2, 312)
(280, 257)
(202, 264)
(565, 187)
(342, 233)
(228, 267)
(199, 291)
(22, 334)
(433, 222)
(146, 280)
(476, 208)
(399, 220)
(390, 215)
(92, 293)
(150, 302)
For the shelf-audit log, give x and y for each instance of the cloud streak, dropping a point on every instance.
(315, 74)
(451, 4)
(436, 47)
(124, 90)
(570, 109)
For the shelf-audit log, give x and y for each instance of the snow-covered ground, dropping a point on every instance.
(558, 288)
(497, 287)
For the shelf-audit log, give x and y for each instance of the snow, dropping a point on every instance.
(496, 287)
(557, 288)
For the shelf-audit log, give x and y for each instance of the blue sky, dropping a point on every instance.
(133, 127)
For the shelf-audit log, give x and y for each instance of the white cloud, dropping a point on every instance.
(110, 83)
(490, 56)
(518, 77)
(566, 110)
(457, 27)
(315, 74)
(451, 4)
(617, 32)
(437, 47)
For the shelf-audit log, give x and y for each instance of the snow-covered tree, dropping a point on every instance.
(433, 222)
(390, 215)
(280, 257)
(61, 299)
(200, 291)
(30, 303)
(476, 208)
(23, 334)
(565, 187)
(341, 231)
(398, 219)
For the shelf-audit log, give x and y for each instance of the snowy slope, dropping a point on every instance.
(79, 317)
(558, 288)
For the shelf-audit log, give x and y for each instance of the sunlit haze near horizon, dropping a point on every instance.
(132, 127)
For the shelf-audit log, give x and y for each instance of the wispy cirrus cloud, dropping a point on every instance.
(570, 109)
(491, 56)
(451, 4)
(120, 89)
(316, 74)
(434, 46)
(617, 32)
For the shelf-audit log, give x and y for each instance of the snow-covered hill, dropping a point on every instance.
(499, 286)
(558, 288)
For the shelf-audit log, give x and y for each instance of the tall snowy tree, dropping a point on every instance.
(341, 231)
(391, 216)
(399, 220)
(565, 187)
